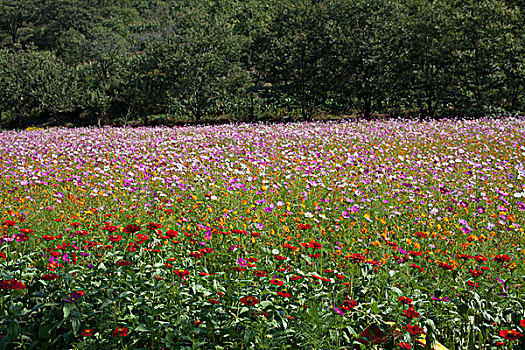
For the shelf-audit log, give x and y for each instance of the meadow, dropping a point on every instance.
(385, 234)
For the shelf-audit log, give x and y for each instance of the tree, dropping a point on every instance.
(202, 61)
(365, 41)
(290, 55)
(34, 82)
(16, 17)
(429, 31)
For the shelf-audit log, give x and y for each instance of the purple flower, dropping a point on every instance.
(444, 299)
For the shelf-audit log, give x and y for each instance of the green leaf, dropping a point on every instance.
(75, 323)
(142, 328)
(44, 331)
(67, 309)
(375, 308)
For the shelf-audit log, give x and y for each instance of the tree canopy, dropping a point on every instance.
(161, 61)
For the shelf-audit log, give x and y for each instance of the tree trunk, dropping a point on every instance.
(368, 107)
(305, 112)
(251, 116)
(198, 116)
(430, 107)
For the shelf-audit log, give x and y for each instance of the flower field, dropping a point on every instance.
(386, 234)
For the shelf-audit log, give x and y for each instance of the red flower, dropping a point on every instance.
(411, 313)
(123, 263)
(181, 273)
(9, 223)
(476, 273)
(261, 313)
(284, 294)
(214, 301)
(510, 334)
(115, 238)
(289, 246)
(349, 304)
(413, 253)
(121, 332)
(315, 245)
(480, 258)
(280, 257)
(502, 258)
(414, 330)
(446, 266)
(172, 234)
(131, 228)
(464, 256)
(522, 323)
(305, 226)
(405, 300)
(259, 273)
(404, 345)
(50, 277)
(277, 282)
(153, 226)
(2, 256)
(250, 300)
(472, 284)
(88, 332)
(295, 278)
(12, 284)
(417, 267)
(110, 228)
(358, 257)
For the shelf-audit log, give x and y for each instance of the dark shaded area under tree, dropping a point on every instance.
(72, 62)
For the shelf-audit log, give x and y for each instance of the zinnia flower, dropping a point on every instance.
(510, 334)
(131, 228)
(259, 273)
(250, 300)
(502, 258)
(115, 238)
(414, 330)
(476, 273)
(284, 294)
(12, 284)
(120, 332)
(405, 300)
(88, 332)
(411, 313)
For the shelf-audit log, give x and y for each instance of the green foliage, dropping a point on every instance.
(253, 59)
(33, 80)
